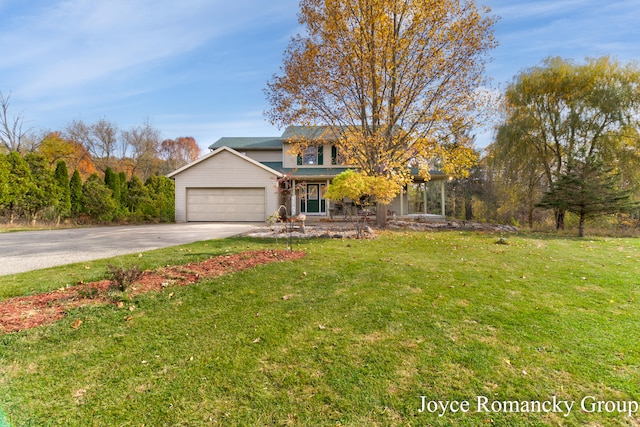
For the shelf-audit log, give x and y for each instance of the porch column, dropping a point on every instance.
(442, 196)
(402, 202)
(294, 202)
(327, 203)
(424, 196)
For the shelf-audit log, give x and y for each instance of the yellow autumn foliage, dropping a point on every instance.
(395, 80)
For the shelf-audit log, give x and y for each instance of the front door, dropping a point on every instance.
(312, 201)
(313, 198)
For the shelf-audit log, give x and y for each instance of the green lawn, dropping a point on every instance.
(355, 334)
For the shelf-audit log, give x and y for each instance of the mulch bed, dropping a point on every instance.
(26, 312)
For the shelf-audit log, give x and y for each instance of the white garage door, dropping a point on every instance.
(225, 204)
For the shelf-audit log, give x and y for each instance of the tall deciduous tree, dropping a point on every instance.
(142, 145)
(397, 80)
(100, 139)
(561, 112)
(13, 135)
(178, 152)
(55, 148)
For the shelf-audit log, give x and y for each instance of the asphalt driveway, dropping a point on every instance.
(33, 250)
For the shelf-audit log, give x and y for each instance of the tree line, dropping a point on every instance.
(32, 192)
(568, 143)
(87, 173)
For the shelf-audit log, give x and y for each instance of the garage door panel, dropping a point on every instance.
(225, 204)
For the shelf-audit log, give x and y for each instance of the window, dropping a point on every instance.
(311, 156)
(336, 156)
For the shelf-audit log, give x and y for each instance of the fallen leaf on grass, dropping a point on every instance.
(76, 324)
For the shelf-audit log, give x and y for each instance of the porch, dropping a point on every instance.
(424, 200)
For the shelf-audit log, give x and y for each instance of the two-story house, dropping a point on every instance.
(249, 178)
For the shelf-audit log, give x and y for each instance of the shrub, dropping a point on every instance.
(123, 277)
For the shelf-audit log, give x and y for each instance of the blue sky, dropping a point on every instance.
(198, 67)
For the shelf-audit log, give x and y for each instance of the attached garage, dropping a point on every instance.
(224, 186)
(226, 204)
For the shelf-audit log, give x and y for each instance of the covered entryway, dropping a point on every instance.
(226, 204)
(312, 201)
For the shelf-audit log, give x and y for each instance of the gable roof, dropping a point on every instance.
(249, 143)
(229, 150)
(323, 133)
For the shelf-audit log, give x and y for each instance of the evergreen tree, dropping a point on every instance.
(112, 181)
(75, 193)
(21, 186)
(161, 190)
(4, 181)
(45, 194)
(588, 189)
(138, 201)
(97, 200)
(124, 190)
(62, 180)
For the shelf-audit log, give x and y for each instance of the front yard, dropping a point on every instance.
(411, 328)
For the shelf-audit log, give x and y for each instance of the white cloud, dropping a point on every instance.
(75, 43)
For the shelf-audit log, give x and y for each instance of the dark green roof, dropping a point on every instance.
(248, 143)
(326, 133)
(275, 142)
(272, 143)
(305, 172)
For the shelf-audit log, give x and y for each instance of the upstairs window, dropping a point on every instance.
(336, 157)
(311, 156)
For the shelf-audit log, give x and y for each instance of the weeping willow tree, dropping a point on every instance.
(397, 81)
(562, 113)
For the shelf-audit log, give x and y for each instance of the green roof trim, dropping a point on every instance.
(306, 172)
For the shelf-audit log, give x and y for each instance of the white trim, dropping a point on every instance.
(219, 150)
(443, 197)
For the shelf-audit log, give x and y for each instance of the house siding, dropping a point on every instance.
(291, 161)
(399, 205)
(265, 156)
(224, 170)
